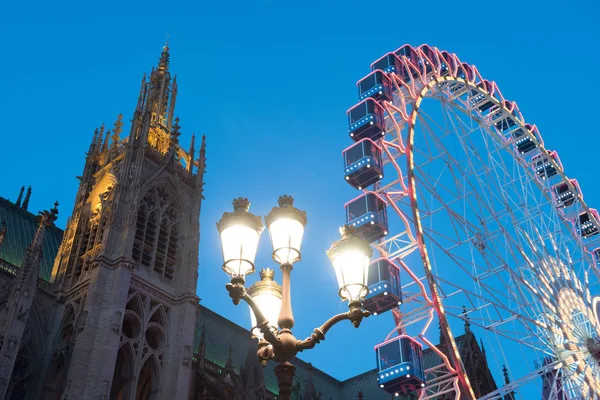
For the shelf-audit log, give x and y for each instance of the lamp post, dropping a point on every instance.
(240, 231)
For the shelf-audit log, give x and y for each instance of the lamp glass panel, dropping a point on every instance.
(351, 270)
(286, 237)
(270, 305)
(239, 244)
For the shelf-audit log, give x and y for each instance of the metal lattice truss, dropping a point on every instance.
(496, 246)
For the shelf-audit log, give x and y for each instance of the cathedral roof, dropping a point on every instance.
(221, 334)
(20, 229)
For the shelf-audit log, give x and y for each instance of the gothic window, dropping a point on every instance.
(124, 374)
(148, 381)
(90, 232)
(155, 243)
(57, 374)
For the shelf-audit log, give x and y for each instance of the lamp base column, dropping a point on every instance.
(285, 372)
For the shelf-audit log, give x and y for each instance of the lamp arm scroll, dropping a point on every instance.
(355, 315)
(237, 291)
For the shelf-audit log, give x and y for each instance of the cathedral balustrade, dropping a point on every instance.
(8, 268)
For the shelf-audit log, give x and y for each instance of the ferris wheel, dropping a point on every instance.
(475, 221)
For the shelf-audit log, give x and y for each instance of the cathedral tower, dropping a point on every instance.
(126, 271)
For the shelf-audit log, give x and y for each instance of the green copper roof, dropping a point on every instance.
(221, 334)
(21, 226)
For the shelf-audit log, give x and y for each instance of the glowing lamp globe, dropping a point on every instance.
(286, 227)
(266, 293)
(350, 257)
(239, 231)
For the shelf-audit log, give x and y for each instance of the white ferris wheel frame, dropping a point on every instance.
(401, 116)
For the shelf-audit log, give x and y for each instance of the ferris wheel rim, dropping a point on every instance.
(412, 192)
(412, 73)
(412, 94)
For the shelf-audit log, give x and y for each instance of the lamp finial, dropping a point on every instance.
(347, 230)
(285, 200)
(267, 274)
(241, 204)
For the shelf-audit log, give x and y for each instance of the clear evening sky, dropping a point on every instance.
(269, 84)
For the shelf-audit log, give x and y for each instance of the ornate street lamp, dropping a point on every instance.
(268, 301)
(351, 257)
(239, 233)
(266, 293)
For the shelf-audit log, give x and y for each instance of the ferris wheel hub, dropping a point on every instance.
(593, 345)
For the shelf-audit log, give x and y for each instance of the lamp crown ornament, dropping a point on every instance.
(265, 284)
(285, 200)
(267, 274)
(347, 231)
(241, 204)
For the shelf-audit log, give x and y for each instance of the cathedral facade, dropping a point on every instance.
(108, 308)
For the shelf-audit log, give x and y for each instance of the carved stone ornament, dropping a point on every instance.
(82, 321)
(187, 356)
(116, 322)
(131, 172)
(12, 342)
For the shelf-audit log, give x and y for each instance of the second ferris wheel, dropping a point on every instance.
(473, 219)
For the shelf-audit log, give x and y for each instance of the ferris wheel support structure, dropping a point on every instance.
(497, 223)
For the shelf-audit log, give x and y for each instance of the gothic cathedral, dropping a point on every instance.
(122, 321)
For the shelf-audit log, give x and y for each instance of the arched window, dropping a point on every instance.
(155, 243)
(90, 233)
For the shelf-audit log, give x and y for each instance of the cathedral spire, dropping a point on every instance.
(174, 137)
(163, 61)
(141, 98)
(116, 137)
(104, 150)
(27, 197)
(20, 299)
(250, 384)
(466, 318)
(511, 395)
(157, 99)
(172, 104)
(191, 153)
(93, 144)
(505, 375)
(98, 141)
(19, 199)
(201, 163)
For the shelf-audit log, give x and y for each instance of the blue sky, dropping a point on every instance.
(269, 84)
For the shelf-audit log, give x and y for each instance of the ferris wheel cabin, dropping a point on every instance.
(523, 142)
(596, 256)
(587, 224)
(543, 166)
(407, 51)
(385, 290)
(366, 120)
(430, 59)
(563, 195)
(413, 59)
(479, 100)
(376, 85)
(465, 72)
(367, 214)
(363, 164)
(388, 63)
(447, 62)
(400, 365)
